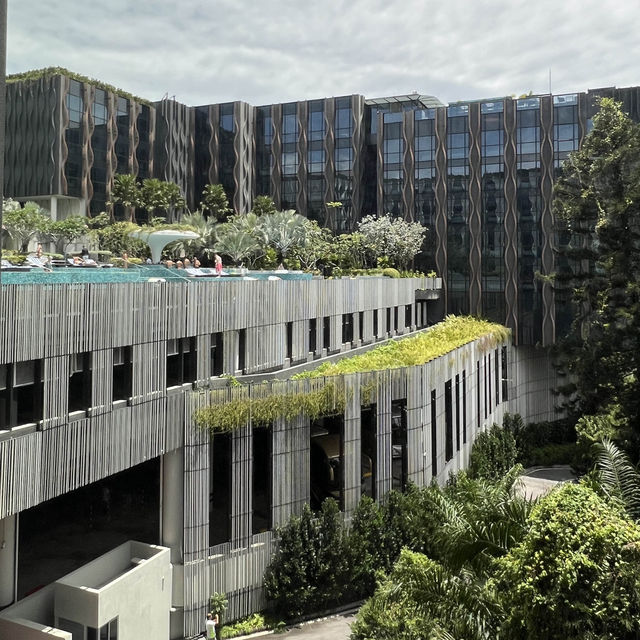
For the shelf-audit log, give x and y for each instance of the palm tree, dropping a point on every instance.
(206, 229)
(237, 244)
(284, 230)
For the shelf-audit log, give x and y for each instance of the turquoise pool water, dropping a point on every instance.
(70, 275)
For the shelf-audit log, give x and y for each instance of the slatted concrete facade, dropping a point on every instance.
(447, 400)
(64, 451)
(236, 567)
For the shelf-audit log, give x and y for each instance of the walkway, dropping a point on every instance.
(540, 480)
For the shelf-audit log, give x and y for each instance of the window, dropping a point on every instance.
(478, 409)
(457, 402)
(369, 444)
(289, 338)
(375, 323)
(505, 393)
(80, 380)
(395, 319)
(326, 467)
(399, 445)
(407, 315)
(464, 406)
(122, 373)
(242, 350)
(448, 410)
(496, 371)
(262, 474)
(434, 435)
(217, 355)
(313, 337)
(220, 489)
(389, 319)
(21, 393)
(326, 333)
(347, 327)
(181, 361)
(107, 632)
(361, 325)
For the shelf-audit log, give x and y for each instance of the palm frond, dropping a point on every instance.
(618, 477)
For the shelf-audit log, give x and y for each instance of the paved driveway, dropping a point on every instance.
(331, 628)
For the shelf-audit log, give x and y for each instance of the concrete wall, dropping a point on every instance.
(532, 379)
(140, 598)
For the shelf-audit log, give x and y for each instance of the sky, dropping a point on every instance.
(271, 51)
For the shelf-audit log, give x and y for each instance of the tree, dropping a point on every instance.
(310, 568)
(597, 199)
(160, 195)
(263, 205)
(23, 223)
(392, 238)
(421, 599)
(125, 191)
(214, 200)
(63, 232)
(116, 239)
(574, 575)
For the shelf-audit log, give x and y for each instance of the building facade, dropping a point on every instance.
(98, 446)
(479, 175)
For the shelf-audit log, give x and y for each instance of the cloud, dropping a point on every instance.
(283, 50)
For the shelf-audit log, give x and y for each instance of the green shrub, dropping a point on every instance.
(390, 272)
(591, 430)
(310, 570)
(251, 624)
(552, 454)
(536, 440)
(574, 575)
(493, 454)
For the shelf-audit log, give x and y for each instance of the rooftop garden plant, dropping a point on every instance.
(322, 392)
(36, 74)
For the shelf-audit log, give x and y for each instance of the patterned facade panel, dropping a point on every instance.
(547, 218)
(86, 186)
(244, 125)
(213, 171)
(358, 142)
(510, 219)
(276, 155)
(408, 165)
(441, 198)
(380, 162)
(173, 147)
(33, 141)
(475, 212)
(111, 162)
(329, 150)
(302, 115)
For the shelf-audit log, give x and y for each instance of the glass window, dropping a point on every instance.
(80, 382)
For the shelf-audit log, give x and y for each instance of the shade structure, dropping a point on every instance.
(158, 240)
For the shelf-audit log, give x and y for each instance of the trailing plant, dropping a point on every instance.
(264, 410)
(454, 332)
(228, 413)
